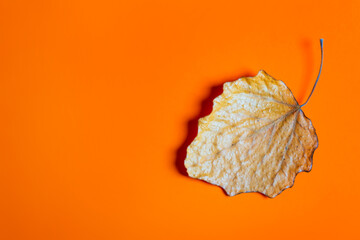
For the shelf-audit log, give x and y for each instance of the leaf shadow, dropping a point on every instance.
(308, 69)
(206, 106)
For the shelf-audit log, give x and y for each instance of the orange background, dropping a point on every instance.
(100, 99)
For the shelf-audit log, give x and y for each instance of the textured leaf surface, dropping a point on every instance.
(256, 139)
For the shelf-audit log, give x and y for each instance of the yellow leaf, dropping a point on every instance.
(256, 139)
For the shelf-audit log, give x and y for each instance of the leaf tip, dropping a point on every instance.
(261, 72)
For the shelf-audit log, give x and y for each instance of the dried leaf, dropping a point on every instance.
(256, 139)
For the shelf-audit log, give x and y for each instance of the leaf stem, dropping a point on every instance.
(321, 64)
